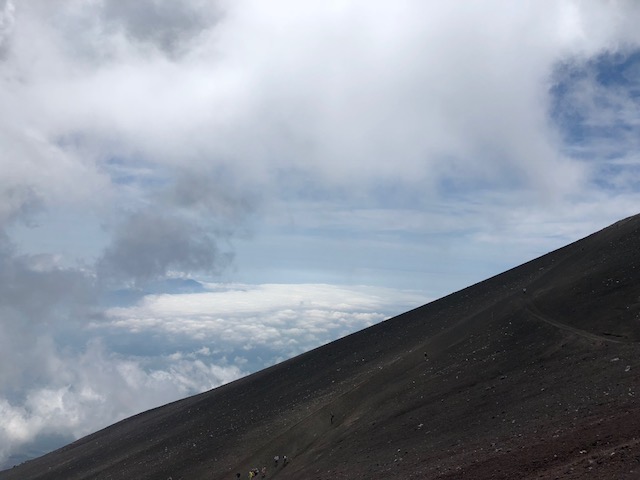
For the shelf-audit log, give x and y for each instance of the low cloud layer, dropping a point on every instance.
(280, 319)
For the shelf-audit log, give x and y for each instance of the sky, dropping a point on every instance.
(192, 191)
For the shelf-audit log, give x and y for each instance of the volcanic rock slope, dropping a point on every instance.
(531, 374)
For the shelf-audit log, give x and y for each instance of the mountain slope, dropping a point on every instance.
(530, 374)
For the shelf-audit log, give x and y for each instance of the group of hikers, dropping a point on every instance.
(254, 472)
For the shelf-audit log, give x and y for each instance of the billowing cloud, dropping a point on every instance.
(94, 389)
(313, 97)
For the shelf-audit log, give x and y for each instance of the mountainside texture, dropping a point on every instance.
(531, 374)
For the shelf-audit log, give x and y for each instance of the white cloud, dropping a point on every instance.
(284, 319)
(96, 388)
(377, 91)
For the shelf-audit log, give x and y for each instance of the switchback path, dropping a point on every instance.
(533, 310)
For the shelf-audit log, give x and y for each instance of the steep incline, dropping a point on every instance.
(535, 384)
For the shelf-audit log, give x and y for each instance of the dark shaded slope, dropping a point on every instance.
(596, 287)
(532, 385)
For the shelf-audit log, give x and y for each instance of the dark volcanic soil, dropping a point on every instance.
(539, 384)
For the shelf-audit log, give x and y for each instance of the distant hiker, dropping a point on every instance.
(251, 474)
(284, 460)
(426, 357)
(275, 460)
(332, 415)
(524, 291)
(237, 475)
(264, 472)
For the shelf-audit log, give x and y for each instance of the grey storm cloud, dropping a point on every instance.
(6, 24)
(186, 229)
(37, 298)
(37, 289)
(216, 194)
(147, 245)
(168, 25)
(18, 203)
